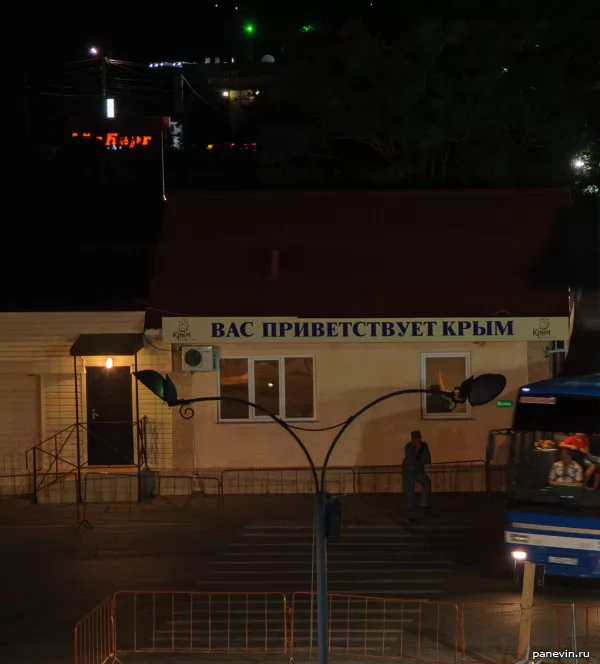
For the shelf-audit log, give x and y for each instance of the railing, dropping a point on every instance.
(453, 476)
(378, 628)
(55, 459)
(95, 635)
(51, 453)
(57, 483)
(490, 631)
(106, 487)
(285, 480)
(183, 485)
(15, 484)
(200, 622)
(255, 623)
(13, 463)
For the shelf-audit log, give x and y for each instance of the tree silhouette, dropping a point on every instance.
(454, 102)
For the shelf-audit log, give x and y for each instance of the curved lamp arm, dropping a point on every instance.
(358, 413)
(187, 412)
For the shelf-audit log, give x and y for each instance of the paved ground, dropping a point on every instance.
(54, 575)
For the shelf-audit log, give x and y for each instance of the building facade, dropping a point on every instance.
(316, 303)
(316, 374)
(309, 304)
(66, 381)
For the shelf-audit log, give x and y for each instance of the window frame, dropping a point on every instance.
(253, 417)
(466, 355)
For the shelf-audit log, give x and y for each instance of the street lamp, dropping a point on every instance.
(94, 50)
(477, 391)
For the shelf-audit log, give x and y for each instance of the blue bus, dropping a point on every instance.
(553, 515)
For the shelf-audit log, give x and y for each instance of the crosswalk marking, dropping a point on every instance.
(406, 564)
(366, 526)
(412, 561)
(250, 538)
(304, 571)
(307, 545)
(349, 561)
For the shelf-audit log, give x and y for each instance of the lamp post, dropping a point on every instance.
(477, 391)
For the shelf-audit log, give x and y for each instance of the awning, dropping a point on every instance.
(108, 345)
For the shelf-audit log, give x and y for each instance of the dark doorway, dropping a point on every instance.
(109, 416)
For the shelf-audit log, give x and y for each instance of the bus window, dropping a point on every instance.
(556, 446)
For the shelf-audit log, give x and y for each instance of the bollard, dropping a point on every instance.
(526, 608)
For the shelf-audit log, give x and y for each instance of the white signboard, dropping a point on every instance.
(392, 330)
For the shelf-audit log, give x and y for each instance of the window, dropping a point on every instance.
(557, 353)
(443, 371)
(285, 386)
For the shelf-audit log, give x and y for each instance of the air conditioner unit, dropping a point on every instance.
(198, 358)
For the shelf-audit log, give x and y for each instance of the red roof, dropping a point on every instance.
(364, 254)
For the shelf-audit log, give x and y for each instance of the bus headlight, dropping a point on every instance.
(519, 555)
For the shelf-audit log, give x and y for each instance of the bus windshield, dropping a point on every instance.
(555, 451)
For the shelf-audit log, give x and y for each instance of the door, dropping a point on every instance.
(110, 428)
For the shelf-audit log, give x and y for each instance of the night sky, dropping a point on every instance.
(61, 32)
(56, 226)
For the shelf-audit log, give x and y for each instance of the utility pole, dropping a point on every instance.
(103, 75)
(26, 111)
(526, 608)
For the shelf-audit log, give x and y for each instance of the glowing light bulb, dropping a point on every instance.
(108, 363)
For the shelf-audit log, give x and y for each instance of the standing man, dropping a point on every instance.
(416, 457)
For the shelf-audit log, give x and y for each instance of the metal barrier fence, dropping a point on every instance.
(378, 628)
(95, 635)
(242, 623)
(200, 622)
(183, 485)
(19, 484)
(490, 631)
(295, 481)
(455, 477)
(108, 487)
(473, 476)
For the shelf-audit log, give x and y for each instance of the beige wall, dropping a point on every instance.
(37, 345)
(537, 360)
(347, 377)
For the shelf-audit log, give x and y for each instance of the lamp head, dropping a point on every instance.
(162, 386)
(481, 390)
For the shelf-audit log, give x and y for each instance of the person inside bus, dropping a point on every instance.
(592, 464)
(565, 470)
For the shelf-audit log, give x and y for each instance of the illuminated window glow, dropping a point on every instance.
(110, 108)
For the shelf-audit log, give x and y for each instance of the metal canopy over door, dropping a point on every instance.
(19, 419)
(110, 427)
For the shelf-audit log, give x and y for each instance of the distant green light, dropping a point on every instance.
(249, 28)
(307, 28)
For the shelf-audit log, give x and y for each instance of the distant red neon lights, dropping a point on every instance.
(115, 140)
